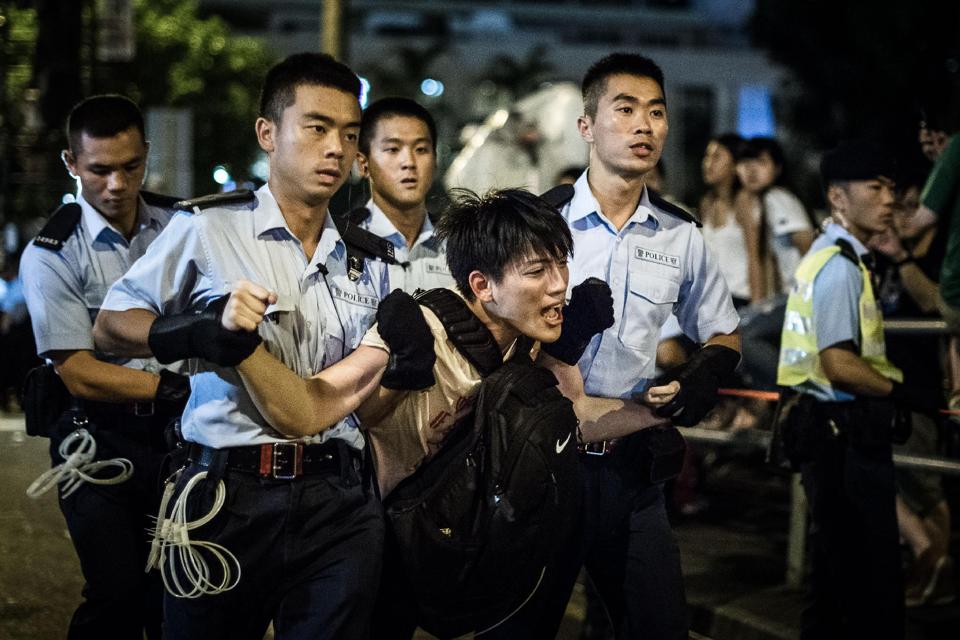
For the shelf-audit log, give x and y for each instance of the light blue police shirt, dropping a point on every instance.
(427, 268)
(65, 289)
(656, 264)
(836, 303)
(318, 318)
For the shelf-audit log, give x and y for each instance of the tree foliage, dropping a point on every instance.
(185, 61)
(864, 66)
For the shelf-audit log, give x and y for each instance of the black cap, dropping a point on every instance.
(857, 160)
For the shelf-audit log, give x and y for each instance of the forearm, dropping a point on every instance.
(849, 372)
(730, 340)
(91, 379)
(600, 418)
(124, 333)
(922, 289)
(300, 407)
(608, 418)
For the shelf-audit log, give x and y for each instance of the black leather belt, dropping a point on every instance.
(286, 460)
(137, 409)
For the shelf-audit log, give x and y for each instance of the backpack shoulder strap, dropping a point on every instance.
(59, 227)
(362, 244)
(471, 338)
(665, 205)
(558, 195)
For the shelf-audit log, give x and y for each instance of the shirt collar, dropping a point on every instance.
(836, 232)
(267, 215)
(585, 204)
(380, 225)
(98, 227)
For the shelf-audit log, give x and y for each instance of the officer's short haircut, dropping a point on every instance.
(280, 86)
(488, 233)
(102, 116)
(389, 107)
(595, 80)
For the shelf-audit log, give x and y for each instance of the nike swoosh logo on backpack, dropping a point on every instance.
(563, 445)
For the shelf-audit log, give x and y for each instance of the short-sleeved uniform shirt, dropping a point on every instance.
(417, 426)
(941, 194)
(657, 264)
(836, 303)
(319, 318)
(65, 289)
(426, 260)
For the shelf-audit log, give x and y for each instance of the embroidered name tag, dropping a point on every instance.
(656, 257)
(353, 297)
(430, 267)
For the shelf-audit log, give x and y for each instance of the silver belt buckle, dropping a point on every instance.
(601, 448)
(286, 462)
(143, 409)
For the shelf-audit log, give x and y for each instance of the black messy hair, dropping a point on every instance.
(595, 80)
(279, 89)
(487, 233)
(103, 116)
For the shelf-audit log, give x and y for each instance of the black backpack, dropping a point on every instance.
(477, 523)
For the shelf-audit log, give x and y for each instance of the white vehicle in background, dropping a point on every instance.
(526, 146)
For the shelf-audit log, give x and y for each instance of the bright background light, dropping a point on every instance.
(431, 88)
(220, 174)
(364, 92)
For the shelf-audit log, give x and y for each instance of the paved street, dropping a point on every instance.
(733, 554)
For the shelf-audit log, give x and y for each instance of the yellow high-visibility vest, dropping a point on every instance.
(799, 356)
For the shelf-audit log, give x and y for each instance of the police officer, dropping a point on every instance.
(303, 526)
(398, 154)
(833, 354)
(124, 404)
(655, 261)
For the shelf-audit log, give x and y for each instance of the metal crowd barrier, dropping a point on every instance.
(797, 535)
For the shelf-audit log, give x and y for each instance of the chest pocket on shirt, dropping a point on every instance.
(648, 304)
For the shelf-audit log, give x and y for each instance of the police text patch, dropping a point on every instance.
(656, 257)
(352, 297)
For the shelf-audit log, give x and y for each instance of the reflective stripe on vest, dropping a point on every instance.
(799, 356)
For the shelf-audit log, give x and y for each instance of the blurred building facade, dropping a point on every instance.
(485, 55)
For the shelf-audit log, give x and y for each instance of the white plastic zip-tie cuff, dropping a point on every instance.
(78, 451)
(176, 555)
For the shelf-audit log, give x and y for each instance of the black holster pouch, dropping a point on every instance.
(44, 399)
(793, 439)
(658, 453)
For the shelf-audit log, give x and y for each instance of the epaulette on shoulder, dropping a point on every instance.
(558, 195)
(847, 251)
(362, 244)
(160, 200)
(665, 205)
(59, 227)
(215, 200)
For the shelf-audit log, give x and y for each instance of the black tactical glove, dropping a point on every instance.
(699, 379)
(402, 326)
(172, 392)
(201, 335)
(915, 399)
(589, 312)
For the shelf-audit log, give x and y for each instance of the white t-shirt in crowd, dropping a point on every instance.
(785, 216)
